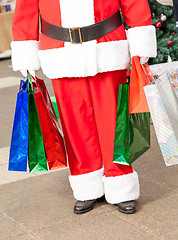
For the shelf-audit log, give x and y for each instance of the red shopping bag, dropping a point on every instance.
(51, 132)
(138, 79)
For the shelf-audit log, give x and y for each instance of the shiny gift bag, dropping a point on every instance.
(19, 141)
(163, 105)
(132, 132)
(36, 154)
(171, 70)
(169, 100)
(138, 79)
(51, 131)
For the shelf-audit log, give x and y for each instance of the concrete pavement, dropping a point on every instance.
(40, 206)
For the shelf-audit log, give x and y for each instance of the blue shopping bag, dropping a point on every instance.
(19, 141)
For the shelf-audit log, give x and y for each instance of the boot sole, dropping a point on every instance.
(127, 212)
(101, 199)
(83, 211)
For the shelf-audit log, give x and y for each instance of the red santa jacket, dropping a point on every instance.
(63, 59)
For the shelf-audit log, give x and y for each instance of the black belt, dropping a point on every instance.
(82, 34)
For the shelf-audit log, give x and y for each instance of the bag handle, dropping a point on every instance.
(148, 72)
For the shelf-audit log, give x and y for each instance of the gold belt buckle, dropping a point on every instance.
(79, 32)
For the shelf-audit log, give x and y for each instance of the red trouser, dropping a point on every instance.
(87, 109)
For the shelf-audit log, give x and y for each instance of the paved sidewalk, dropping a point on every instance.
(40, 206)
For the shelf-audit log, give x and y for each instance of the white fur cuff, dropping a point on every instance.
(25, 55)
(142, 41)
(87, 186)
(121, 188)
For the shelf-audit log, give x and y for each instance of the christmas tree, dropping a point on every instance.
(167, 37)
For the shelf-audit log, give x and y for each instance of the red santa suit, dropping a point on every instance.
(86, 80)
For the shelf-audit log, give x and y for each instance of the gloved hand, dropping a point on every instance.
(144, 60)
(24, 73)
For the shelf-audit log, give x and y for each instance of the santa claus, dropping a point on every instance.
(85, 50)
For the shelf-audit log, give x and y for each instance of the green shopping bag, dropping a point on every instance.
(36, 151)
(132, 132)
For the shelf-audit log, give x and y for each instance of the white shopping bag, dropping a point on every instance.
(163, 105)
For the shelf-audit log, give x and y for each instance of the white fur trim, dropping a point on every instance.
(81, 14)
(112, 56)
(87, 186)
(142, 41)
(121, 188)
(77, 13)
(86, 59)
(25, 55)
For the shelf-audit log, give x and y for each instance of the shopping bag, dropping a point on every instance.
(51, 131)
(163, 105)
(138, 79)
(19, 141)
(169, 99)
(36, 154)
(132, 132)
(171, 70)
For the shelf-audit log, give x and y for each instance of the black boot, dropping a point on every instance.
(127, 207)
(86, 206)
